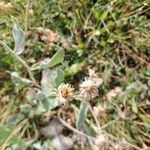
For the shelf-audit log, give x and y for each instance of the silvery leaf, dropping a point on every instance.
(51, 79)
(19, 81)
(19, 38)
(47, 81)
(81, 118)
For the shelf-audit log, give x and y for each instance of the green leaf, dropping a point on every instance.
(49, 63)
(53, 102)
(25, 108)
(57, 58)
(81, 118)
(104, 15)
(134, 106)
(72, 70)
(42, 99)
(5, 133)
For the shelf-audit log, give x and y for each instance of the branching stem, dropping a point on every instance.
(21, 61)
(73, 129)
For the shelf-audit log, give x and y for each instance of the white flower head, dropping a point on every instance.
(64, 93)
(88, 89)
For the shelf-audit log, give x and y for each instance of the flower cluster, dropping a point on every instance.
(88, 88)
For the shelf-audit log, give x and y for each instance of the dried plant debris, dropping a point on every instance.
(113, 93)
(5, 6)
(102, 142)
(48, 37)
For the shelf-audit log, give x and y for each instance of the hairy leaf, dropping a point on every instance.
(82, 115)
(19, 38)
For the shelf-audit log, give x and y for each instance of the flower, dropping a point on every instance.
(64, 92)
(89, 87)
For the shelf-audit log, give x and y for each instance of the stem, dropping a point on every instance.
(73, 129)
(95, 118)
(21, 61)
(26, 18)
(103, 22)
(110, 123)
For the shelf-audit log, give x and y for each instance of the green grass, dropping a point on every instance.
(111, 37)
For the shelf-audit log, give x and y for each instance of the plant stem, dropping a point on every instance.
(110, 123)
(95, 118)
(21, 61)
(26, 18)
(73, 129)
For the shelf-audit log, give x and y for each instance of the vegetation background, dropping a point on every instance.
(68, 37)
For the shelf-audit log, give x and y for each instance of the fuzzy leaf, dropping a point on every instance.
(47, 81)
(82, 115)
(19, 38)
(59, 78)
(51, 79)
(19, 81)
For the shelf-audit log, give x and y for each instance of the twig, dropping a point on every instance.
(73, 129)
(21, 61)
